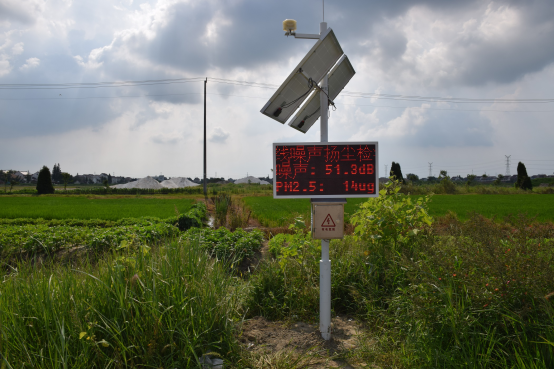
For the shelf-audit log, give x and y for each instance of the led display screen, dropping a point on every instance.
(325, 170)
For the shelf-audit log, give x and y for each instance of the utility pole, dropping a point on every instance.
(205, 189)
(430, 169)
(507, 165)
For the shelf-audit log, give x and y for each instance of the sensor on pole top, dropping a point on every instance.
(289, 26)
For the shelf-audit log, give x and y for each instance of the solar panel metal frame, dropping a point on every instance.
(339, 77)
(314, 66)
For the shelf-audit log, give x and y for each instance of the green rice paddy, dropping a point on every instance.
(279, 212)
(80, 207)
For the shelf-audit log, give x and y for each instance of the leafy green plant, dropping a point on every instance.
(195, 217)
(45, 239)
(392, 217)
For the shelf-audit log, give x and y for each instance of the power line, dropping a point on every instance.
(95, 85)
(81, 85)
(258, 97)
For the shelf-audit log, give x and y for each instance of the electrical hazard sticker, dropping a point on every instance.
(328, 222)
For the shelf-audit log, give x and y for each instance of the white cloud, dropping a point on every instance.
(17, 48)
(218, 135)
(5, 67)
(30, 64)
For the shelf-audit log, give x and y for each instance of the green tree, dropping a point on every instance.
(498, 180)
(470, 181)
(412, 177)
(523, 180)
(7, 179)
(57, 173)
(396, 172)
(13, 183)
(44, 181)
(65, 177)
(446, 183)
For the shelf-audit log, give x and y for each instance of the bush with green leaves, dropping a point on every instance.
(48, 239)
(88, 223)
(195, 217)
(288, 285)
(392, 217)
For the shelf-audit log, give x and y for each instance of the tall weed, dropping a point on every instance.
(135, 309)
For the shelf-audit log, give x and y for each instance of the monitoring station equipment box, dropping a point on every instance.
(326, 170)
(328, 218)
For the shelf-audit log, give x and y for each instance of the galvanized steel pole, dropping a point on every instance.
(205, 189)
(325, 262)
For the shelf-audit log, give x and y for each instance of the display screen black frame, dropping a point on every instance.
(326, 170)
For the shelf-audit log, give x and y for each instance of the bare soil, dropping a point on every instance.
(268, 343)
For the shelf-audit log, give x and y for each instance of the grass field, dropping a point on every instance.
(279, 212)
(80, 207)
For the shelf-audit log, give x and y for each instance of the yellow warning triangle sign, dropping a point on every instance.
(328, 222)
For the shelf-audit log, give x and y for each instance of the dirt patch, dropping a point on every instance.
(282, 344)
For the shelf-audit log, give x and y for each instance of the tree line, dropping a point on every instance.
(523, 179)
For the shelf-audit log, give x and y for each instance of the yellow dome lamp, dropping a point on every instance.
(289, 26)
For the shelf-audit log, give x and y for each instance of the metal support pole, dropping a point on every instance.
(205, 189)
(325, 263)
(324, 104)
(325, 291)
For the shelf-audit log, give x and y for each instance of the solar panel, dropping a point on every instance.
(339, 76)
(319, 60)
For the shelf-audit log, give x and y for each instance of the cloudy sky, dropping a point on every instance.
(498, 53)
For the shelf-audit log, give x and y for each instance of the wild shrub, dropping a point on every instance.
(391, 218)
(195, 217)
(288, 284)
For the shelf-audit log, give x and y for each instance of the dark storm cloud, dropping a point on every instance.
(248, 37)
(242, 38)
